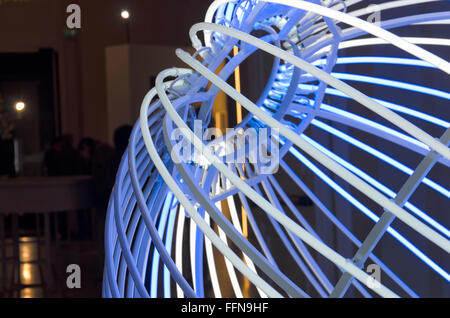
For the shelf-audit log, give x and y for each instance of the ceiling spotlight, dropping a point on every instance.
(20, 106)
(125, 14)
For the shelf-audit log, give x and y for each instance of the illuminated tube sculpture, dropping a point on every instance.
(174, 224)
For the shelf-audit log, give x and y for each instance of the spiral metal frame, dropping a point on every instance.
(156, 196)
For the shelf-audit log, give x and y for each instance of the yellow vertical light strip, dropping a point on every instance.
(220, 114)
(237, 81)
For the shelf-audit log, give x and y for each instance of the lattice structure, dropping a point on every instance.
(171, 221)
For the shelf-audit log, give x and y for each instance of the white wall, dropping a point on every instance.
(129, 69)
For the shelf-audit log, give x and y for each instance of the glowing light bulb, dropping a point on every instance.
(20, 106)
(125, 14)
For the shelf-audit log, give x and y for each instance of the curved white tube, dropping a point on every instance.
(179, 247)
(211, 264)
(171, 183)
(231, 273)
(288, 94)
(343, 87)
(237, 225)
(252, 194)
(192, 251)
(366, 26)
(390, 5)
(300, 142)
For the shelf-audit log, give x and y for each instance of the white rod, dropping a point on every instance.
(179, 247)
(300, 142)
(248, 191)
(171, 183)
(343, 87)
(332, 165)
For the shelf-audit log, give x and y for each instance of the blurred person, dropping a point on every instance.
(102, 162)
(121, 139)
(62, 158)
(96, 159)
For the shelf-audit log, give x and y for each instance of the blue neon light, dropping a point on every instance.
(378, 60)
(399, 108)
(391, 83)
(378, 185)
(373, 124)
(379, 155)
(369, 213)
(169, 239)
(155, 260)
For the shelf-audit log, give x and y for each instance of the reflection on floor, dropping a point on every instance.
(28, 275)
(25, 276)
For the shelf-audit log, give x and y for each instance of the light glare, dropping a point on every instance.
(20, 106)
(125, 14)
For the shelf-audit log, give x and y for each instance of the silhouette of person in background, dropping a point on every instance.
(102, 161)
(94, 158)
(62, 158)
(121, 139)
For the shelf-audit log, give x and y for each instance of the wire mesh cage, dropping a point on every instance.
(352, 117)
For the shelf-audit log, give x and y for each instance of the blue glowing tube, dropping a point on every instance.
(155, 187)
(369, 213)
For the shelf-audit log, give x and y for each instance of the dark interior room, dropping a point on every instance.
(346, 101)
